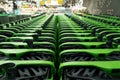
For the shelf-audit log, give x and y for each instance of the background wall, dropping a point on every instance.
(111, 7)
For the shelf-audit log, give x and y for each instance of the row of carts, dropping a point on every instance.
(60, 47)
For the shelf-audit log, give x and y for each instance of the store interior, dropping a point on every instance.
(59, 40)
